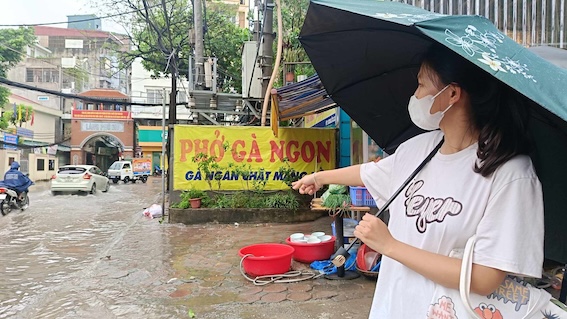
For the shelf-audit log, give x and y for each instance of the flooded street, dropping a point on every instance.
(85, 256)
(97, 256)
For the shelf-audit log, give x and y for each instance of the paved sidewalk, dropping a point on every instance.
(210, 284)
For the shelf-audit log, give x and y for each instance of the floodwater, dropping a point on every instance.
(86, 256)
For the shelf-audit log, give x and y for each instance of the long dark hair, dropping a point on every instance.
(498, 112)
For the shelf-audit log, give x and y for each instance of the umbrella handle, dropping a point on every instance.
(342, 254)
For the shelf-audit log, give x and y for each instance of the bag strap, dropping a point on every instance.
(465, 277)
(536, 294)
(408, 180)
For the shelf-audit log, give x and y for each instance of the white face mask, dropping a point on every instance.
(420, 111)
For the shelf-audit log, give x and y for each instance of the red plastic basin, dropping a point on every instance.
(308, 253)
(266, 259)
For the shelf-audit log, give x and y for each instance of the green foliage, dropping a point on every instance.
(224, 40)
(242, 170)
(293, 14)
(16, 120)
(337, 201)
(12, 51)
(207, 165)
(289, 174)
(244, 199)
(222, 201)
(189, 194)
(259, 184)
(338, 189)
(283, 200)
(162, 37)
(192, 193)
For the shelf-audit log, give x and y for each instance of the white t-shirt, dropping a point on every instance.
(444, 205)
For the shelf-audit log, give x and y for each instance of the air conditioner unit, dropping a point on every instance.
(251, 72)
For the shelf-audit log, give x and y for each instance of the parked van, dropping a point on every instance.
(127, 172)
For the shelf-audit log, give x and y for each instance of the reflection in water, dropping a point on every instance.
(75, 256)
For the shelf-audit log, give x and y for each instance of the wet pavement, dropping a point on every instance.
(96, 256)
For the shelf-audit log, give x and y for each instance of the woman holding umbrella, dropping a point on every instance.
(481, 181)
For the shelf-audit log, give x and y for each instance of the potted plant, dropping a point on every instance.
(194, 196)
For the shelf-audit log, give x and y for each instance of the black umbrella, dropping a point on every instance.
(367, 55)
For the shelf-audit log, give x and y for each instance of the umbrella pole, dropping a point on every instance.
(341, 273)
(563, 293)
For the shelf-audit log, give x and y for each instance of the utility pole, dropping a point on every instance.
(256, 21)
(268, 51)
(162, 159)
(172, 118)
(198, 22)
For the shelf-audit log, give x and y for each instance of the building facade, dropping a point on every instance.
(528, 22)
(102, 133)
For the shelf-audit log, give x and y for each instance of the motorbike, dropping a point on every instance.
(157, 171)
(9, 200)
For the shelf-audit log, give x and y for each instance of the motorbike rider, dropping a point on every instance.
(16, 180)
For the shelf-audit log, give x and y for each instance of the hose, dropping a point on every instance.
(288, 277)
(276, 65)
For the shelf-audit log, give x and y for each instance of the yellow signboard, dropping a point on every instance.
(236, 158)
(323, 119)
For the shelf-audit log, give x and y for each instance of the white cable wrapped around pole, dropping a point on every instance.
(276, 65)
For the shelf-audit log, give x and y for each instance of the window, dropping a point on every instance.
(126, 166)
(42, 75)
(29, 75)
(40, 164)
(11, 160)
(181, 97)
(154, 96)
(51, 165)
(115, 165)
(71, 170)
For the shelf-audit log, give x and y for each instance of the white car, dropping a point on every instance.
(79, 178)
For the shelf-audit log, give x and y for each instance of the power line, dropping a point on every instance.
(81, 20)
(75, 96)
(56, 65)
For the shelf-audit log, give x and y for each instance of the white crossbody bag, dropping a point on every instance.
(514, 299)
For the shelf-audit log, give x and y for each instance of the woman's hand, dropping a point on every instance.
(306, 185)
(372, 231)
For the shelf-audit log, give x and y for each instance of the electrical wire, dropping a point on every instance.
(56, 65)
(75, 96)
(81, 20)
(261, 38)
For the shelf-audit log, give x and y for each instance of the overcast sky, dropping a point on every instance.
(46, 11)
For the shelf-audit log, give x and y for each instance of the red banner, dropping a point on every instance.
(101, 114)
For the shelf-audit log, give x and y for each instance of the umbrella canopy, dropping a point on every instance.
(367, 54)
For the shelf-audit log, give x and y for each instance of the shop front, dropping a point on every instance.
(100, 137)
(150, 143)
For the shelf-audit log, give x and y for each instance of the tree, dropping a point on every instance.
(13, 43)
(293, 14)
(160, 35)
(17, 116)
(224, 40)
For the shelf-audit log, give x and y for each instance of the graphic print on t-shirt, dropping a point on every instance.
(443, 309)
(428, 209)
